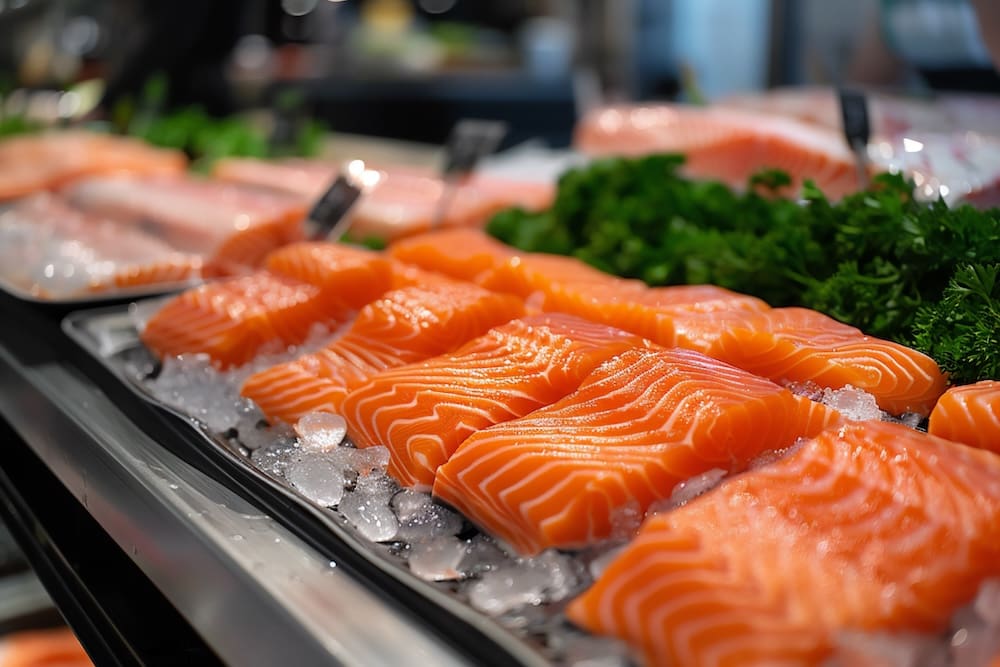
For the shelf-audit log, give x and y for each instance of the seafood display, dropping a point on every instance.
(604, 420)
(731, 483)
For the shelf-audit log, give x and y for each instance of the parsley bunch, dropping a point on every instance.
(879, 260)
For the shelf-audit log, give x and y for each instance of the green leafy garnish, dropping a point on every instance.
(877, 259)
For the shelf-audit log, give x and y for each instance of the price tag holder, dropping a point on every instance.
(857, 128)
(469, 142)
(328, 219)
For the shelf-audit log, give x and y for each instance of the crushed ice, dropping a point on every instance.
(321, 431)
(972, 640)
(548, 577)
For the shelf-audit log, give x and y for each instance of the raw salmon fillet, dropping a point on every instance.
(802, 345)
(539, 276)
(47, 161)
(56, 647)
(969, 414)
(422, 412)
(404, 200)
(652, 312)
(235, 319)
(464, 254)
(870, 526)
(232, 227)
(404, 326)
(354, 275)
(725, 144)
(573, 473)
(52, 250)
(307, 179)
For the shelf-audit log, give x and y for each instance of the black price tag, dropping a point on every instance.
(470, 140)
(854, 112)
(328, 218)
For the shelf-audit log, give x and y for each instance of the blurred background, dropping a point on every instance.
(409, 69)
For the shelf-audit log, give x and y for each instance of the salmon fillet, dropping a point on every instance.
(459, 253)
(52, 250)
(644, 421)
(47, 161)
(232, 227)
(725, 144)
(404, 326)
(869, 526)
(969, 414)
(653, 312)
(422, 412)
(801, 345)
(354, 275)
(233, 320)
(404, 201)
(56, 647)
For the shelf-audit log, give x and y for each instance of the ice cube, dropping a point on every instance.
(577, 650)
(885, 650)
(367, 507)
(625, 520)
(275, 458)
(549, 577)
(317, 478)
(420, 518)
(320, 431)
(854, 404)
(361, 461)
(599, 564)
(987, 603)
(482, 555)
(690, 489)
(437, 559)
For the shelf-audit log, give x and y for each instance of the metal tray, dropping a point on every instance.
(110, 337)
(95, 299)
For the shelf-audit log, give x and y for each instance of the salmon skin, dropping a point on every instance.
(641, 423)
(404, 326)
(422, 412)
(969, 414)
(53, 251)
(236, 319)
(403, 201)
(870, 526)
(802, 345)
(725, 144)
(48, 161)
(232, 227)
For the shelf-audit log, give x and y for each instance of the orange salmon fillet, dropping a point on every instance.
(356, 276)
(652, 312)
(235, 319)
(969, 414)
(404, 326)
(57, 647)
(459, 253)
(47, 161)
(724, 144)
(800, 345)
(870, 526)
(644, 421)
(422, 412)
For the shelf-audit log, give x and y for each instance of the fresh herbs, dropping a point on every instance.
(922, 274)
